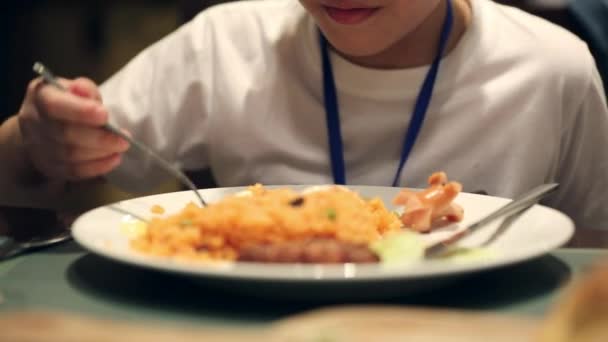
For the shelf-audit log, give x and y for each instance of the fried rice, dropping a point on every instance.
(267, 216)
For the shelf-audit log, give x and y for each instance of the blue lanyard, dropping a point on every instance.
(422, 104)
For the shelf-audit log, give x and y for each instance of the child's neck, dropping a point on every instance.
(420, 46)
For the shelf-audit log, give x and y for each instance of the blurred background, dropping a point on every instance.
(75, 38)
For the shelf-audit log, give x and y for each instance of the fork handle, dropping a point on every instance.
(526, 200)
(175, 172)
(521, 203)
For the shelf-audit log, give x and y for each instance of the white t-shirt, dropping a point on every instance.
(517, 103)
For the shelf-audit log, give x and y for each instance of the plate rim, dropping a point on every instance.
(323, 272)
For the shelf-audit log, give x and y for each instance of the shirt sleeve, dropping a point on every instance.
(583, 168)
(160, 99)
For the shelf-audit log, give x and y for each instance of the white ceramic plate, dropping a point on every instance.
(536, 232)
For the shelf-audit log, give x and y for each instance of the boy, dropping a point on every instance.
(255, 92)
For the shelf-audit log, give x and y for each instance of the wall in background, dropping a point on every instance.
(75, 38)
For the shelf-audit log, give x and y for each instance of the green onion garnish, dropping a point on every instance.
(331, 214)
(186, 222)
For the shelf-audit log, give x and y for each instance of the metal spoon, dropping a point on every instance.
(517, 206)
(9, 247)
(50, 78)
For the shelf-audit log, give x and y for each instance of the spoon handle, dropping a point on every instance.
(9, 247)
(523, 202)
(50, 78)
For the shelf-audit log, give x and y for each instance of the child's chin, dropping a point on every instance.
(358, 47)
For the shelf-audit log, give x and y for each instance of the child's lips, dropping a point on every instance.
(350, 16)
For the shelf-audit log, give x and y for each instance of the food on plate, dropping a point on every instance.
(316, 250)
(327, 224)
(431, 207)
(399, 248)
(157, 209)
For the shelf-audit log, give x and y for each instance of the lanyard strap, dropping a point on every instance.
(332, 111)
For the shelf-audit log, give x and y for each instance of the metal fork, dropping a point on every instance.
(50, 78)
(515, 207)
(9, 247)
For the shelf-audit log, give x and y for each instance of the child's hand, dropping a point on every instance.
(62, 132)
